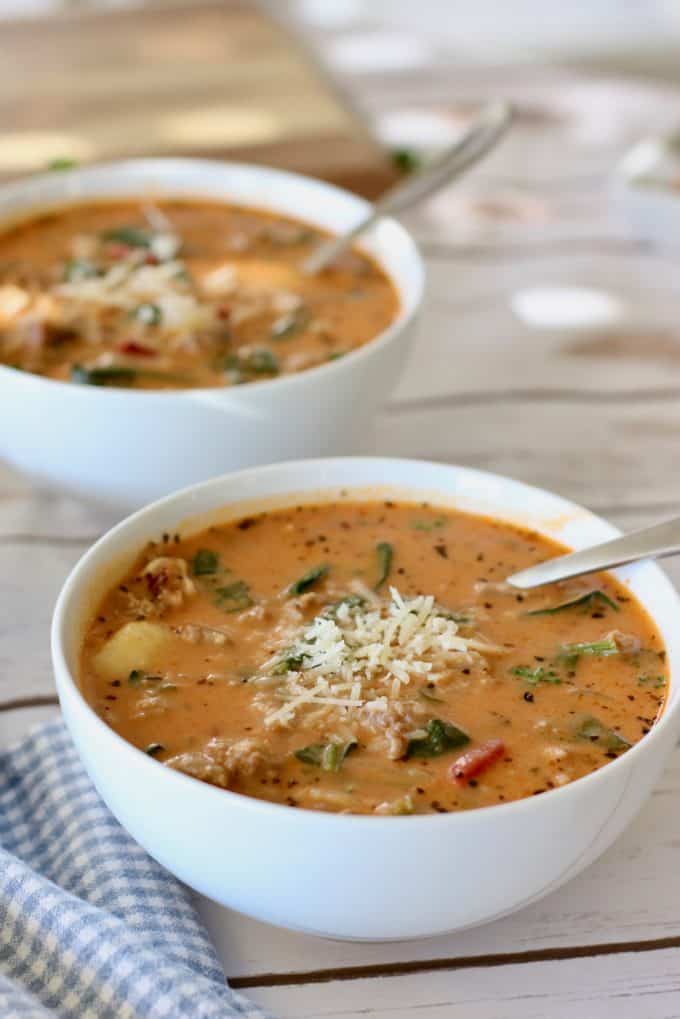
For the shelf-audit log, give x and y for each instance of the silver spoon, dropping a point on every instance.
(482, 134)
(649, 543)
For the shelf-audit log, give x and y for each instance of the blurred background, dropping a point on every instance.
(91, 79)
(631, 35)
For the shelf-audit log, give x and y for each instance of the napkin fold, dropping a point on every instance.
(90, 926)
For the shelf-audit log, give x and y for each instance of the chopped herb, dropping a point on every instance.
(79, 269)
(62, 163)
(352, 601)
(111, 376)
(288, 325)
(132, 236)
(534, 676)
(148, 314)
(205, 562)
(327, 756)
(234, 597)
(384, 553)
(290, 663)
(456, 617)
(308, 579)
(428, 525)
(570, 653)
(262, 362)
(336, 355)
(587, 601)
(135, 677)
(233, 367)
(428, 696)
(404, 805)
(656, 682)
(591, 728)
(406, 160)
(154, 749)
(121, 375)
(441, 737)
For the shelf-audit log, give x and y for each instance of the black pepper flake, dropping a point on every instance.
(115, 682)
(420, 790)
(246, 523)
(110, 697)
(442, 550)
(488, 605)
(436, 805)
(528, 696)
(473, 782)
(291, 801)
(466, 672)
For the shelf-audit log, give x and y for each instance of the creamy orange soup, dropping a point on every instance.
(369, 658)
(169, 294)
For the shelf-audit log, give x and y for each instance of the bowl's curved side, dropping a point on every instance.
(345, 876)
(129, 447)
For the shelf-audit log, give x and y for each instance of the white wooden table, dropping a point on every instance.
(592, 412)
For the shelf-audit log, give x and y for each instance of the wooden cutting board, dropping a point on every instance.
(214, 79)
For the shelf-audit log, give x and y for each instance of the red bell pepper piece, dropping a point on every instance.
(138, 349)
(474, 762)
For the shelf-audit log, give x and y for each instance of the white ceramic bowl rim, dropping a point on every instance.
(70, 592)
(19, 190)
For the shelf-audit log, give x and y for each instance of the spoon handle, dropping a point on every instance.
(649, 543)
(482, 134)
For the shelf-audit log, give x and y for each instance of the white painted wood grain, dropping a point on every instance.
(14, 725)
(643, 985)
(31, 577)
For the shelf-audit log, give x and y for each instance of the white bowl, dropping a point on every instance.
(359, 877)
(126, 447)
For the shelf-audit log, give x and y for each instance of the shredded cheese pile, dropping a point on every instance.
(355, 655)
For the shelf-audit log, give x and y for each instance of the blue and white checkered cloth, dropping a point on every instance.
(90, 926)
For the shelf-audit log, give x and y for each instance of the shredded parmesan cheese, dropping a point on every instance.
(356, 655)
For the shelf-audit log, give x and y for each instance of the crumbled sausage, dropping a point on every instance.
(168, 581)
(392, 724)
(627, 643)
(220, 762)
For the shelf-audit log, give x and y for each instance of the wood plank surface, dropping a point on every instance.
(632, 985)
(216, 78)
